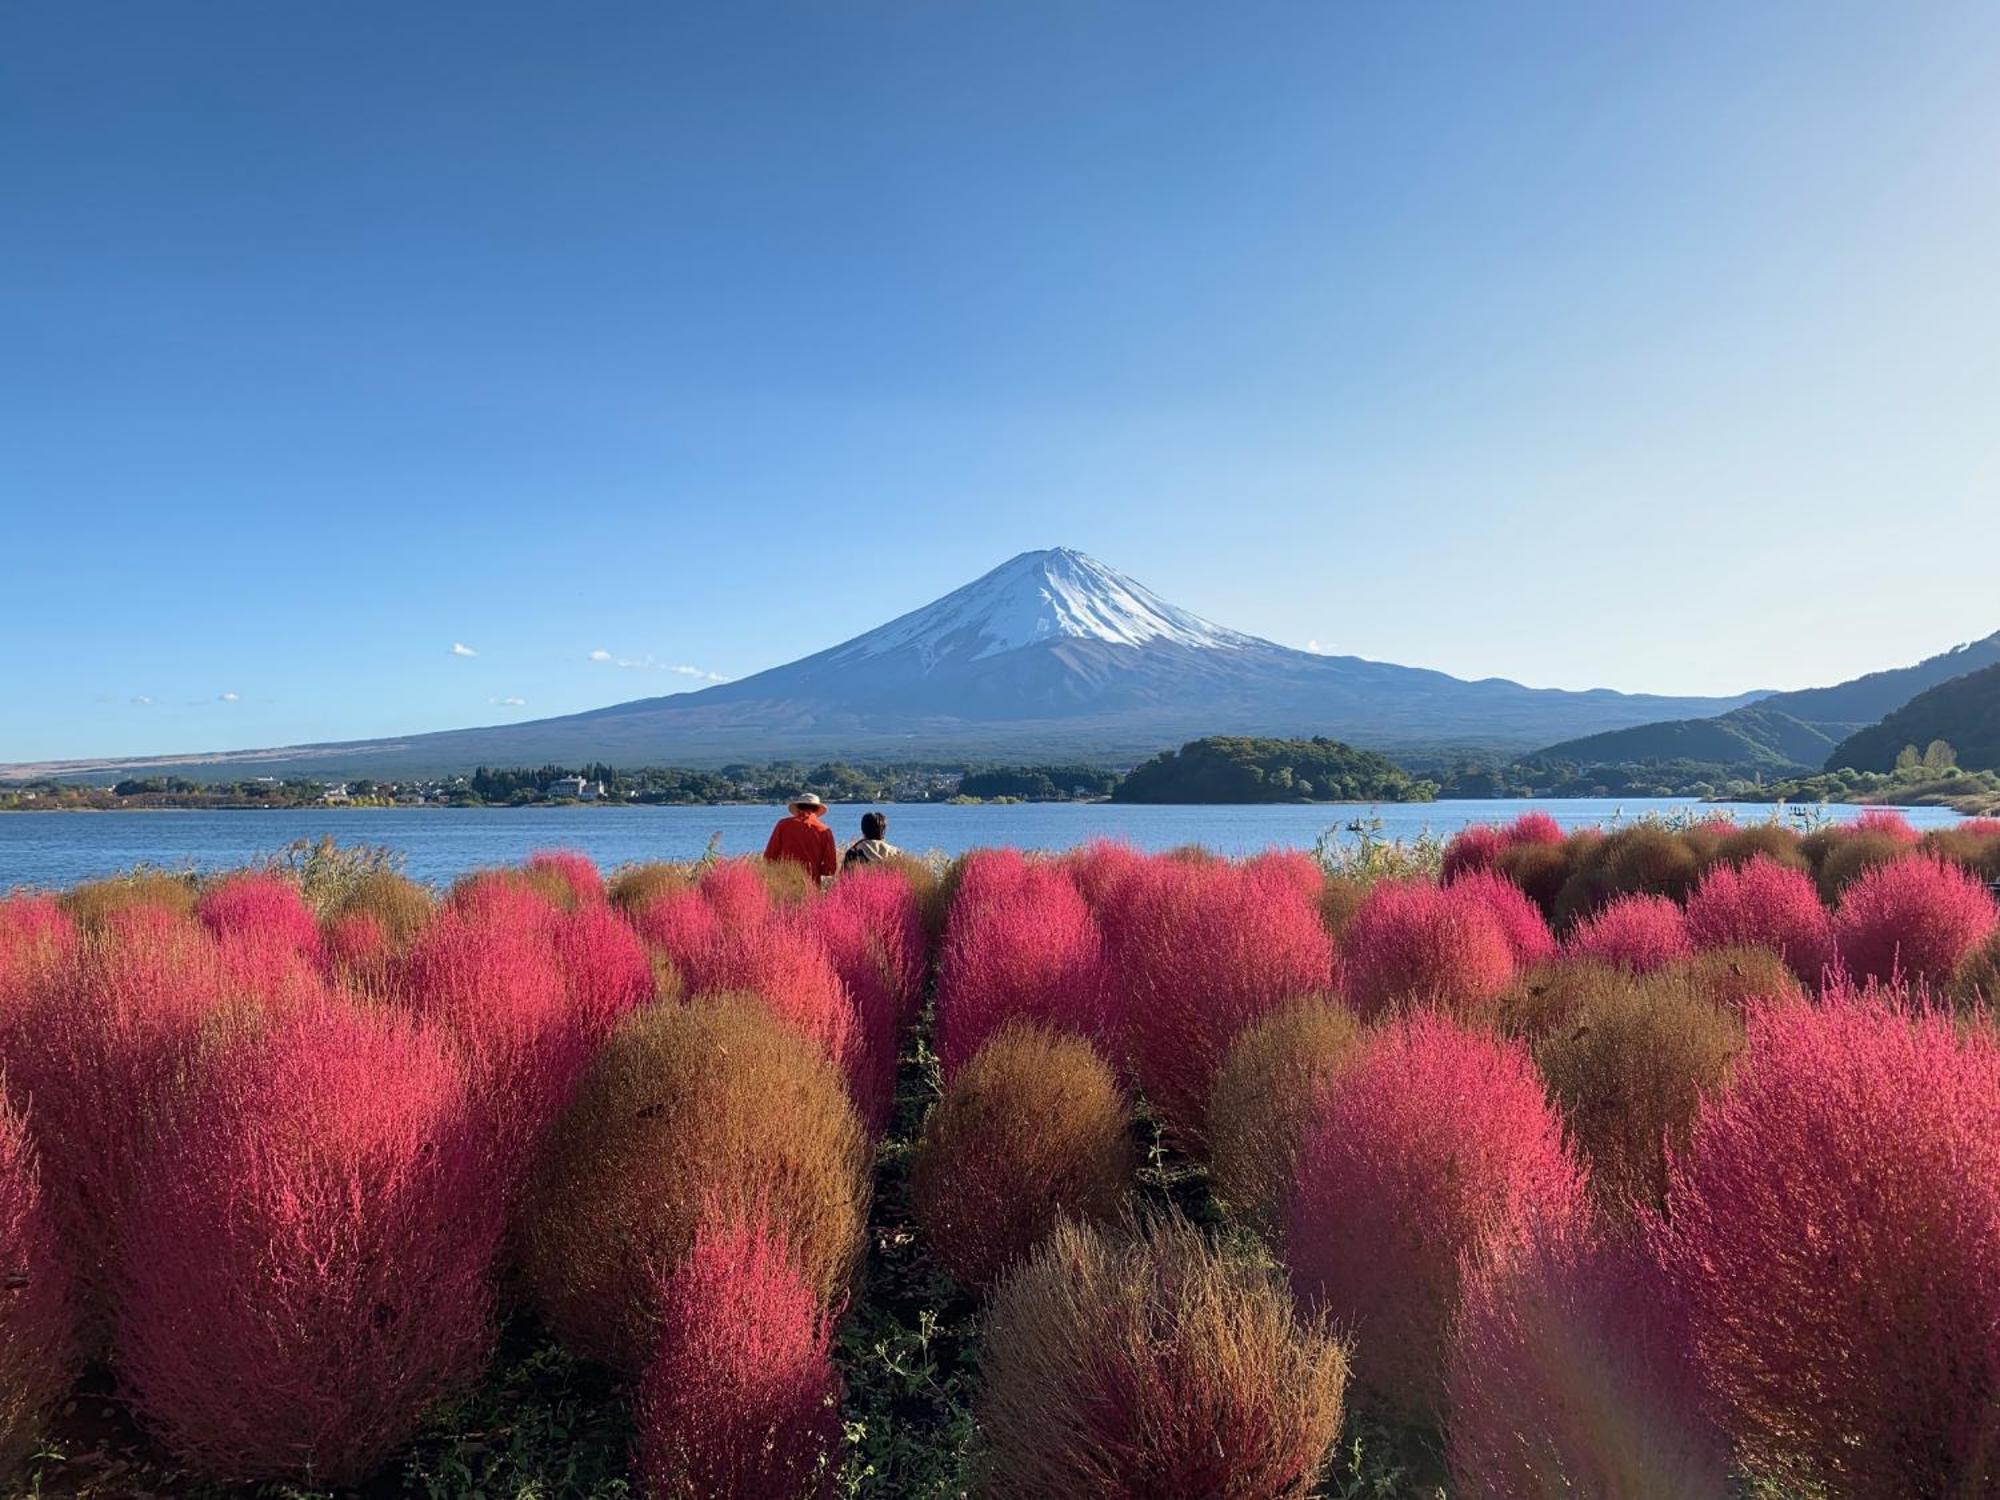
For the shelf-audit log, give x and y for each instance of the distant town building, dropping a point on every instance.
(575, 788)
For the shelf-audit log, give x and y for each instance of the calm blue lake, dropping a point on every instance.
(438, 844)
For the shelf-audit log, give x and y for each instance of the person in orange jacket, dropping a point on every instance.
(803, 837)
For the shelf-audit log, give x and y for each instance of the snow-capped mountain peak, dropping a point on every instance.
(1041, 597)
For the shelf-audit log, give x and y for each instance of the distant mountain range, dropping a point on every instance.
(1052, 655)
(1783, 731)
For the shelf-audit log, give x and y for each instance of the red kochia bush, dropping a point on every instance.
(1433, 1155)
(870, 926)
(1885, 820)
(307, 1263)
(1913, 918)
(604, 966)
(736, 892)
(37, 937)
(37, 1314)
(1201, 951)
(266, 908)
(1835, 1229)
(99, 1061)
(740, 1400)
(1160, 1367)
(1027, 950)
(1762, 904)
(1571, 1374)
(572, 871)
(1098, 867)
(1526, 929)
(1415, 943)
(1534, 828)
(498, 990)
(1472, 848)
(1635, 933)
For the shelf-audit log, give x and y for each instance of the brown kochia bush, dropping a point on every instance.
(637, 886)
(1735, 977)
(1031, 1131)
(401, 905)
(1158, 1367)
(1842, 856)
(1644, 859)
(95, 901)
(1628, 1069)
(1541, 870)
(1266, 1093)
(1544, 998)
(712, 1107)
(1774, 841)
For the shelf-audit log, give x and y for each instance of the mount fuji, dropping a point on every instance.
(1052, 654)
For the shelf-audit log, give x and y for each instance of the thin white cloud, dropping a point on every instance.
(1316, 648)
(649, 664)
(142, 700)
(459, 648)
(228, 697)
(509, 702)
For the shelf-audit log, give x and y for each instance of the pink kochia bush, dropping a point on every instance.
(1914, 918)
(37, 1314)
(1022, 946)
(1572, 1374)
(1472, 848)
(1201, 951)
(37, 937)
(572, 871)
(309, 1250)
(1521, 921)
(1835, 1230)
(1419, 944)
(740, 1400)
(266, 908)
(869, 923)
(1636, 933)
(1763, 904)
(1432, 1157)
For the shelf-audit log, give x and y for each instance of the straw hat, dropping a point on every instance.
(809, 801)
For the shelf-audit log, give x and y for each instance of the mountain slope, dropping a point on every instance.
(1757, 736)
(1964, 712)
(1795, 728)
(1052, 655)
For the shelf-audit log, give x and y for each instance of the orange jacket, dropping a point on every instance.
(804, 839)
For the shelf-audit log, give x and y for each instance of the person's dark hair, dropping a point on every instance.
(874, 825)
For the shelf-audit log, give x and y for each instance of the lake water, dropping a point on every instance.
(438, 844)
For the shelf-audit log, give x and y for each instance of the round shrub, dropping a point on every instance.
(401, 905)
(1858, 1359)
(360, 954)
(1026, 951)
(1635, 933)
(309, 1252)
(1739, 978)
(605, 969)
(1290, 871)
(1535, 828)
(1847, 856)
(38, 1345)
(635, 887)
(1545, 997)
(99, 1062)
(740, 1399)
(1526, 929)
(1643, 859)
(1201, 951)
(96, 902)
(868, 925)
(1628, 1069)
(1912, 919)
(1887, 822)
(508, 898)
(569, 875)
(1268, 1089)
(1972, 850)
(738, 891)
(1032, 1130)
(1434, 1154)
(783, 964)
(37, 937)
(1413, 943)
(1767, 841)
(1541, 870)
(1159, 1367)
(1098, 866)
(715, 1107)
(1762, 904)
(1571, 1374)
(1339, 899)
(266, 908)
(1474, 847)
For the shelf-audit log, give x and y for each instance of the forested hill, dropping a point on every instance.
(1964, 713)
(1237, 769)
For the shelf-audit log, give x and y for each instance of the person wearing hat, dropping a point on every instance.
(803, 838)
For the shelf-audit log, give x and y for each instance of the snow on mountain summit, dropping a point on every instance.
(1037, 597)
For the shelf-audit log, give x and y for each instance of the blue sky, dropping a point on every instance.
(1654, 347)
